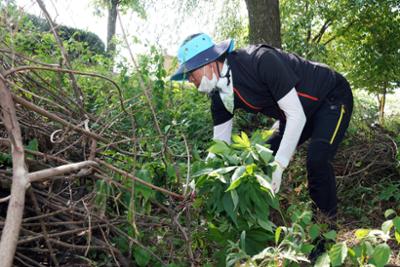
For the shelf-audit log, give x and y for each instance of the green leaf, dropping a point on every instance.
(250, 168)
(389, 213)
(121, 243)
(314, 231)
(141, 189)
(245, 139)
(265, 153)
(234, 184)
(33, 145)
(368, 248)
(306, 248)
(381, 255)
(238, 173)
(277, 234)
(396, 222)
(142, 257)
(241, 142)
(361, 233)
(243, 241)
(386, 226)
(214, 233)
(203, 172)
(330, 235)
(323, 261)
(397, 236)
(272, 201)
(237, 139)
(351, 252)
(228, 207)
(266, 224)
(338, 253)
(220, 147)
(235, 198)
(263, 182)
(225, 169)
(218, 176)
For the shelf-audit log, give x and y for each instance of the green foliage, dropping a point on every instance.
(372, 46)
(236, 191)
(5, 159)
(92, 41)
(138, 6)
(292, 245)
(232, 24)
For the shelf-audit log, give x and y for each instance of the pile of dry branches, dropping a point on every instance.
(59, 220)
(59, 223)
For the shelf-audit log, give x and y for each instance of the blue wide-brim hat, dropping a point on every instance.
(197, 52)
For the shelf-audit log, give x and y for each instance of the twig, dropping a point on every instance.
(89, 239)
(77, 90)
(180, 228)
(51, 214)
(110, 247)
(124, 173)
(5, 199)
(188, 166)
(31, 262)
(141, 80)
(120, 232)
(44, 230)
(58, 234)
(24, 68)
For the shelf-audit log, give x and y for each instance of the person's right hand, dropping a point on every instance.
(209, 156)
(277, 177)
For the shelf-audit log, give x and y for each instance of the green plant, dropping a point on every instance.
(372, 248)
(235, 189)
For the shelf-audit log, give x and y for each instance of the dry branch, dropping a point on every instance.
(124, 173)
(77, 90)
(15, 210)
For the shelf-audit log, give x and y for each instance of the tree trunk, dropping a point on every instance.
(111, 26)
(382, 103)
(264, 22)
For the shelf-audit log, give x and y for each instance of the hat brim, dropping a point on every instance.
(204, 58)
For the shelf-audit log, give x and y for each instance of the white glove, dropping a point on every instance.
(210, 156)
(277, 177)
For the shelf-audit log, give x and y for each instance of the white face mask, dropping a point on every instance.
(207, 85)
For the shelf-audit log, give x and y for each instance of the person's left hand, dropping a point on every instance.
(277, 177)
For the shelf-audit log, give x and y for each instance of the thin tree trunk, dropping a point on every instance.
(264, 22)
(111, 26)
(382, 103)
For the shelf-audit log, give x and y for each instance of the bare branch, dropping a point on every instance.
(77, 90)
(43, 174)
(124, 173)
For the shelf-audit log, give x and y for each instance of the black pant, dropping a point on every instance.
(326, 128)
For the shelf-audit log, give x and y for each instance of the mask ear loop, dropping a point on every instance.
(219, 72)
(227, 75)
